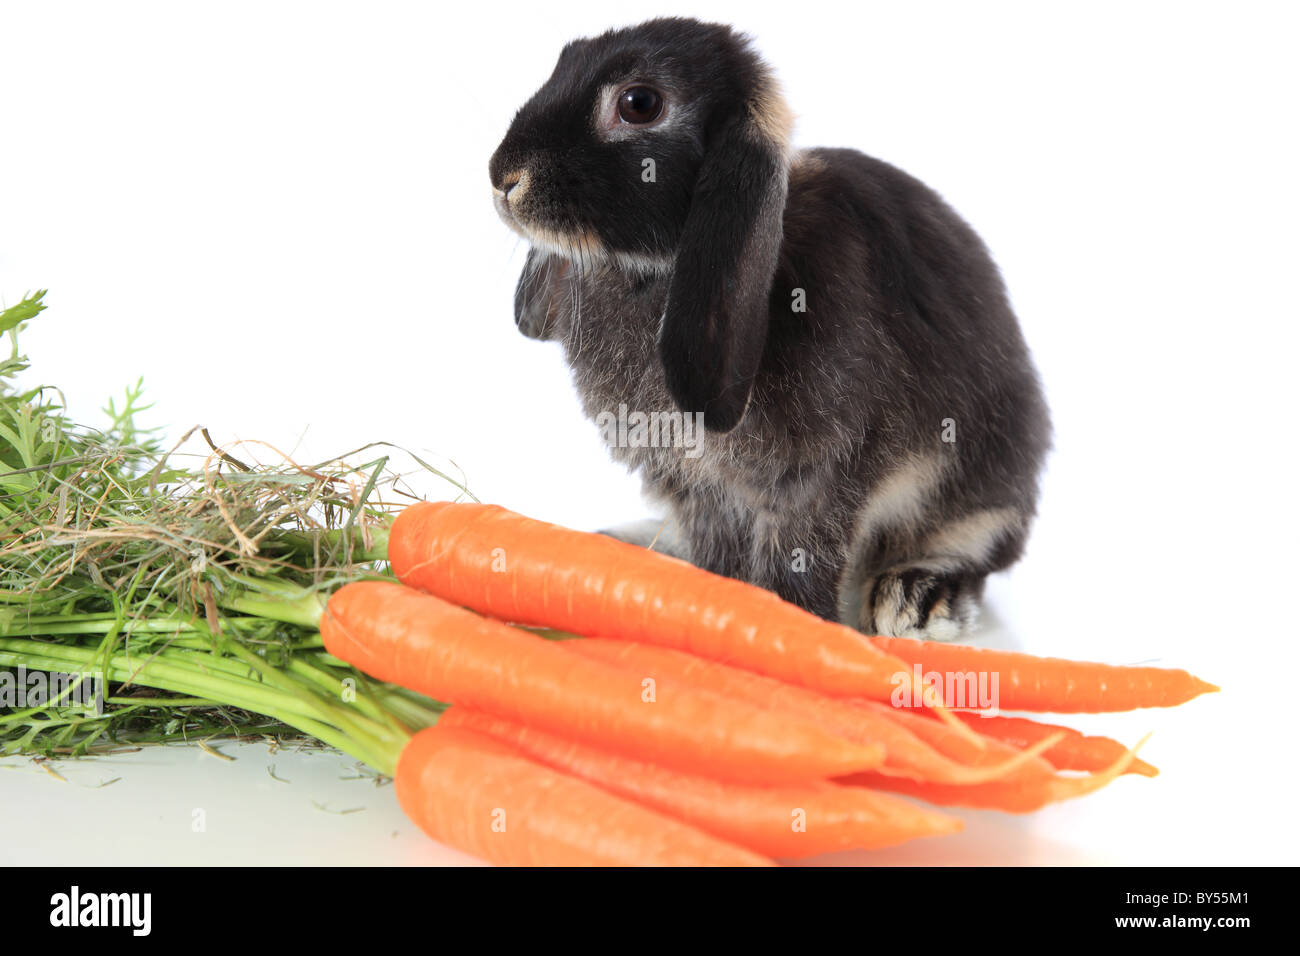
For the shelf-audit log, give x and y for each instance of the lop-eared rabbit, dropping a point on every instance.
(873, 427)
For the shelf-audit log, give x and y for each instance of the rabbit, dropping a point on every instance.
(871, 426)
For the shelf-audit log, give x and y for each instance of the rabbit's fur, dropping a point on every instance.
(873, 424)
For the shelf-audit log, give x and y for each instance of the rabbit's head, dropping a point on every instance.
(662, 148)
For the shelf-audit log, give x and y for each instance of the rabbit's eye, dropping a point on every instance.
(640, 105)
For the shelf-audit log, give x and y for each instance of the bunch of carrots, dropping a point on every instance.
(665, 715)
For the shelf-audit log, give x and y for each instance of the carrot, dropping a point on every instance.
(1020, 796)
(398, 634)
(1052, 684)
(994, 753)
(792, 822)
(480, 796)
(1075, 752)
(530, 572)
(906, 754)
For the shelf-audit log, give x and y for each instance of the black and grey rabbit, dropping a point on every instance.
(873, 425)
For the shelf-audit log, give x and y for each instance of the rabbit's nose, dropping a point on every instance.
(513, 184)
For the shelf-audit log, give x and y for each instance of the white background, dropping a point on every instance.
(279, 215)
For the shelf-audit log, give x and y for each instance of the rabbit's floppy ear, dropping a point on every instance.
(715, 322)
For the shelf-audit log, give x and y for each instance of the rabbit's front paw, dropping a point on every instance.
(919, 603)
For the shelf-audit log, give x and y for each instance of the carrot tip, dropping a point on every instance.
(1082, 786)
(1144, 768)
(1205, 687)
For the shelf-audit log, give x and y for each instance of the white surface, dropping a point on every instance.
(279, 216)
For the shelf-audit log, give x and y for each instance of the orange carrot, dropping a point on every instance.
(1052, 684)
(957, 747)
(401, 635)
(530, 572)
(1020, 796)
(906, 754)
(792, 822)
(480, 796)
(1075, 752)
